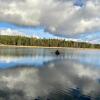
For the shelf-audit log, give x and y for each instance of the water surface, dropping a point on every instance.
(38, 74)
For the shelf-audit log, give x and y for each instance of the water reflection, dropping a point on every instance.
(58, 79)
(37, 61)
(37, 57)
(48, 77)
(15, 56)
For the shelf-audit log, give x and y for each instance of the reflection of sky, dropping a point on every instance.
(77, 68)
(55, 78)
(35, 58)
(91, 58)
(13, 61)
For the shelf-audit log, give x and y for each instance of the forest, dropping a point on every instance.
(30, 41)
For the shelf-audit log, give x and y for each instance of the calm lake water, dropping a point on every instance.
(38, 74)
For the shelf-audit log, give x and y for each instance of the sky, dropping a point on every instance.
(72, 19)
(11, 29)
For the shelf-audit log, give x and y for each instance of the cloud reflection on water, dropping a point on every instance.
(34, 60)
(55, 76)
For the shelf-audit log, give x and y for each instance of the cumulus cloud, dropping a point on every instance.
(27, 82)
(10, 32)
(67, 17)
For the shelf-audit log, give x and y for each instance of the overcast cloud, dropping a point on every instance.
(56, 16)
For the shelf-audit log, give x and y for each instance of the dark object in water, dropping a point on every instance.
(40, 99)
(57, 52)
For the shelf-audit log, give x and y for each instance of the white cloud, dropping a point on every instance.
(57, 16)
(15, 32)
(10, 32)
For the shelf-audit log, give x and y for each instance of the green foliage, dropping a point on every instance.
(26, 41)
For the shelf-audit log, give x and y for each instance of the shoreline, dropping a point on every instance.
(14, 46)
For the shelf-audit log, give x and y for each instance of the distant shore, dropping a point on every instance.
(14, 46)
(27, 42)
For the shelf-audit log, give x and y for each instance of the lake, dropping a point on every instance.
(38, 74)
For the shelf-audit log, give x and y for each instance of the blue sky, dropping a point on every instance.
(30, 31)
(79, 2)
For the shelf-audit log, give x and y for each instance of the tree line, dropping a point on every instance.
(30, 41)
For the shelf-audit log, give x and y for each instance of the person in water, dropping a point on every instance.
(57, 52)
